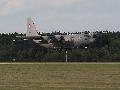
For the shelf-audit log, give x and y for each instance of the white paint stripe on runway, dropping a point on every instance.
(56, 63)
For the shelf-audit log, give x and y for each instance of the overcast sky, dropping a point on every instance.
(63, 15)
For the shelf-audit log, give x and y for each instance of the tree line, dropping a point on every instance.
(106, 48)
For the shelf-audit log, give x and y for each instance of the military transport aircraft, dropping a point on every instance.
(56, 41)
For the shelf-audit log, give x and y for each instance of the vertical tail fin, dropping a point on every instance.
(31, 29)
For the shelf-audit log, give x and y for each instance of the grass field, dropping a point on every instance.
(60, 76)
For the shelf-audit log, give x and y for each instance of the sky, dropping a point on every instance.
(60, 15)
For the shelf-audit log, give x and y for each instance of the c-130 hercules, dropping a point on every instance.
(56, 41)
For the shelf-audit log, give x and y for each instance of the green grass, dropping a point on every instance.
(60, 77)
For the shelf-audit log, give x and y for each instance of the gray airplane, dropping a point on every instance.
(57, 41)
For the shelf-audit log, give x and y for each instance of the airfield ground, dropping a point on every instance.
(55, 76)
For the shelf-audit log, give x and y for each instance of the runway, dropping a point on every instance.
(54, 63)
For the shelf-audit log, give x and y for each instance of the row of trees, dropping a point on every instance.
(105, 49)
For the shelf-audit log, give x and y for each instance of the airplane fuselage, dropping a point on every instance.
(75, 39)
